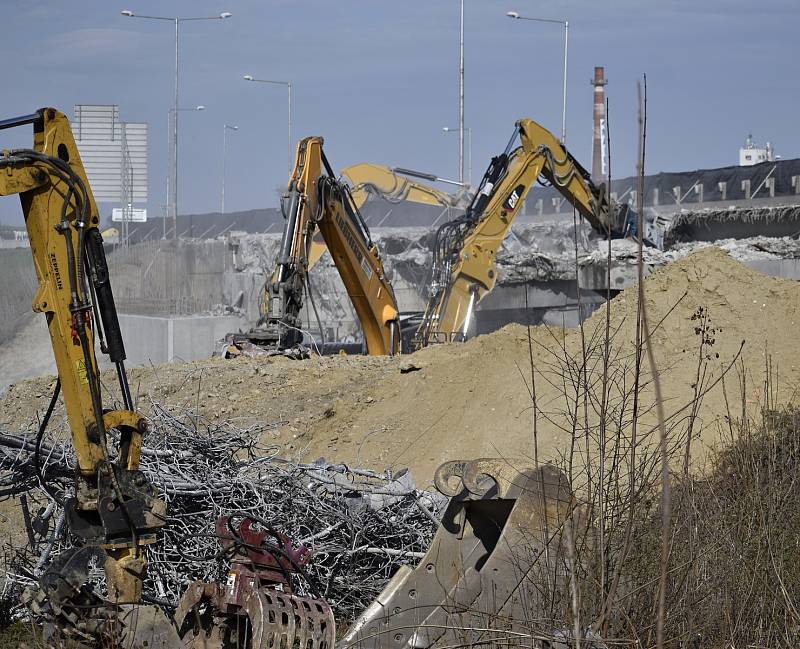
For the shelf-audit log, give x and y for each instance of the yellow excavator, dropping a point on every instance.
(115, 511)
(323, 213)
(499, 541)
(370, 181)
(464, 268)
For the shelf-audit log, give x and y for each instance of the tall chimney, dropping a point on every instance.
(598, 146)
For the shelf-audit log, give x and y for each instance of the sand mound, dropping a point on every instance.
(473, 399)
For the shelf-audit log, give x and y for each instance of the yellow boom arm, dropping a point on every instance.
(368, 179)
(114, 507)
(464, 267)
(317, 200)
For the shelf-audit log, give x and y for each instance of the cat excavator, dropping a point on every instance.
(499, 539)
(464, 269)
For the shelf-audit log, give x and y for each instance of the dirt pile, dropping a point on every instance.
(474, 399)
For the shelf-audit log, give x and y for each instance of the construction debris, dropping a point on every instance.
(729, 222)
(360, 525)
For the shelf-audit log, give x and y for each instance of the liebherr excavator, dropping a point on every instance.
(464, 268)
(316, 200)
(312, 227)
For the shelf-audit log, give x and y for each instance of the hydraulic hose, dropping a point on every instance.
(38, 447)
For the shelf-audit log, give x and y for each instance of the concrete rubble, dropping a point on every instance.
(539, 255)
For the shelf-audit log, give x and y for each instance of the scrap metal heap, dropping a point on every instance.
(479, 544)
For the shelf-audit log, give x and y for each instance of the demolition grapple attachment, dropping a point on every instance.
(256, 607)
(496, 566)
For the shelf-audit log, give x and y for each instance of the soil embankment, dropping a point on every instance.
(474, 399)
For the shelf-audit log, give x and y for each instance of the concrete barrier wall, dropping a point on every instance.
(168, 278)
(158, 340)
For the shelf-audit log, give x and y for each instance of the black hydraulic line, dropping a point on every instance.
(415, 174)
(125, 388)
(307, 281)
(288, 233)
(326, 164)
(22, 120)
(78, 309)
(108, 311)
(346, 199)
(37, 449)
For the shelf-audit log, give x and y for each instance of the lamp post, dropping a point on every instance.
(448, 129)
(170, 121)
(288, 84)
(515, 15)
(225, 129)
(177, 20)
(461, 99)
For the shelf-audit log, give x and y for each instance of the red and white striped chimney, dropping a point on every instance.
(599, 82)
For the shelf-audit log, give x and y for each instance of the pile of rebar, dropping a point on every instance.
(360, 524)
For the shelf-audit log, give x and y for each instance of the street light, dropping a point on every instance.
(516, 16)
(225, 129)
(448, 129)
(176, 20)
(288, 84)
(461, 99)
(170, 121)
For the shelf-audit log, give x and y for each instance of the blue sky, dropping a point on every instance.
(380, 79)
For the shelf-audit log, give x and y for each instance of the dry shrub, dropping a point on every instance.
(736, 575)
(733, 568)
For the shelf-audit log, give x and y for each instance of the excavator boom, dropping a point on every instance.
(369, 180)
(114, 511)
(464, 268)
(317, 200)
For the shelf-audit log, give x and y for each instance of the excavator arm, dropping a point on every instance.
(368, 180)
(114, 511)
(317, 200)
(464, 268)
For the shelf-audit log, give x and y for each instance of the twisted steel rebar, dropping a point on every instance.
(361, 524)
